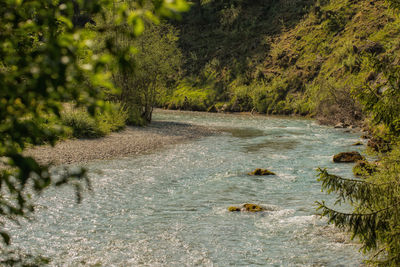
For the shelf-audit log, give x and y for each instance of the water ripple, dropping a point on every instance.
(170, 208)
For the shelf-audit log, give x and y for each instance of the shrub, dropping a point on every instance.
(134, 116)
(112, 119)
(82, 125)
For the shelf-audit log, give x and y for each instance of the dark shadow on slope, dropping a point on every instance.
(236, 33)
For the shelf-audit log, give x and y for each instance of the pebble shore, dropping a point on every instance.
(131, 141)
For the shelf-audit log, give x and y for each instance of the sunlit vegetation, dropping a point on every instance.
(284, 57)
(84, 69)
(375, 194)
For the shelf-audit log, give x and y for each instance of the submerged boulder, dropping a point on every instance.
(247, 207)
(261, 172)
(345, 157)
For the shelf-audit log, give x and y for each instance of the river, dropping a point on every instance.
(169, 208)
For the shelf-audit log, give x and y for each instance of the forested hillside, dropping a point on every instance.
(284, 57)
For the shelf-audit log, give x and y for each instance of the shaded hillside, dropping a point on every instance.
(236, 33)
(282, 57)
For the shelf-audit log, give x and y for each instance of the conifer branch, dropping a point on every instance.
(354, 190)
(366, 226)
(323, 206)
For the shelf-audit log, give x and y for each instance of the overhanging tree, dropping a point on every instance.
(41, 42)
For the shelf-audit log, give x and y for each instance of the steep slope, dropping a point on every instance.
(283, 57)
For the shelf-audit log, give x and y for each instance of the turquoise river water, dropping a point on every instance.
(169, 207)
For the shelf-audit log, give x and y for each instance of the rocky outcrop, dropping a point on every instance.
(346, 157)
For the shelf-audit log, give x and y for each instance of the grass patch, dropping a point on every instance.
(82, 125)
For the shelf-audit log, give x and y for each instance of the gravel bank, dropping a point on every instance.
(131, 141)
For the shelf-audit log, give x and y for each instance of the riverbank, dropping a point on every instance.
(131, 141)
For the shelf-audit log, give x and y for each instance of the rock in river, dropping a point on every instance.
(345, 157)
(261, 172)
(247, 207)
(231, 209)
(252, 208)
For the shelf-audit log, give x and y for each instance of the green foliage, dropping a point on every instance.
(240, 99)
(235, 47)
(102, 123)
(190, 98)
(375, 198)
(135, 115)
(83, 125)
(157, 61)
(382, 101)
(112, 119)
(195, 92)
(394, 3)
(235, 33)
(44, 61)
(303, 56)
(376, 202)
(364, 168)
